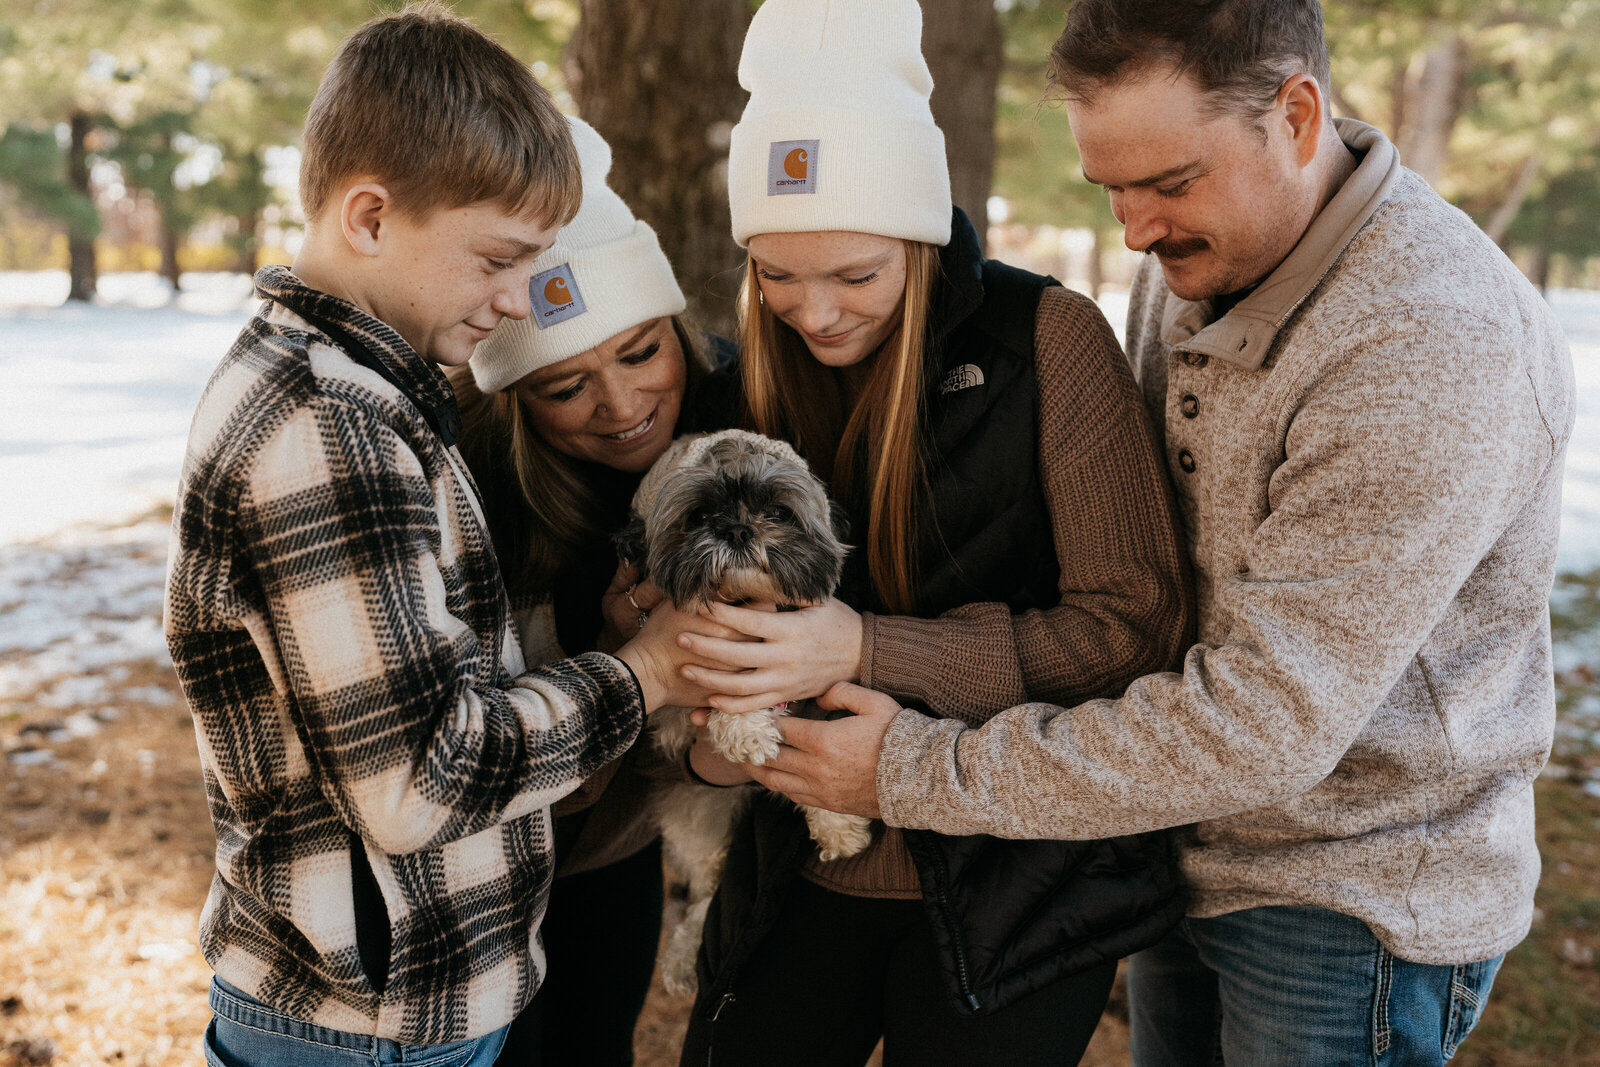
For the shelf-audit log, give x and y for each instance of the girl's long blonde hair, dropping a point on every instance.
(541, 512)
(871, 456)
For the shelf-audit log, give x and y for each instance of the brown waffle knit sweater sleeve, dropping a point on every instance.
(1127, 605)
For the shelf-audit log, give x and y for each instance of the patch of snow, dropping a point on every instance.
(99, 396)
(76, 608)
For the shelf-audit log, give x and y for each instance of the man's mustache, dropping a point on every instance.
(1177, 249)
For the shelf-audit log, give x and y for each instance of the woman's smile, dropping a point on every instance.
(638, 430)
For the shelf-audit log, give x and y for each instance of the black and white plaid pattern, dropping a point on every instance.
(338, 621)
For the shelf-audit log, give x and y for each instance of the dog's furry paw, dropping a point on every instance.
(750, 738)
(836, 835)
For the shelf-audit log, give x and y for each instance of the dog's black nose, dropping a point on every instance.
(740, 535)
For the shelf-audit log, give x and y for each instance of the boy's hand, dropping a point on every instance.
(657, 659)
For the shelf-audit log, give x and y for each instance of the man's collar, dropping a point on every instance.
(1245, 334)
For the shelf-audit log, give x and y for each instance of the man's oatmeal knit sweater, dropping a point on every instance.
(1367, 451)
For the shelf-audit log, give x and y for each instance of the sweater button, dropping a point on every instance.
(1186, 461)
(1196, 359)
(1191, 406)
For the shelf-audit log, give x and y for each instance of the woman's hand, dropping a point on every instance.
(658, 658)
(713, 768)
(624, 600)
(794, 655)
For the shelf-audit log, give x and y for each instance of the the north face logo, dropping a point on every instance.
(792, 167)
(963, 377)
(554, 296)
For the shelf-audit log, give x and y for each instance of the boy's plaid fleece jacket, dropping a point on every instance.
(336, 616)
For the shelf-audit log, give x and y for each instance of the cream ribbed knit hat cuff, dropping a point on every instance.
(621, 284)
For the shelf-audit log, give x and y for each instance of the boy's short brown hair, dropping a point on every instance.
(441, 114)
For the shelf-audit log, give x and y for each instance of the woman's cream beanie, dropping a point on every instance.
(604, 273)
(837, 134)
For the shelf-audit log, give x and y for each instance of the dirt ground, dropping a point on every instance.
(105, 856)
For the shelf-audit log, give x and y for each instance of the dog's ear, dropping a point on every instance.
(630, 541)
(839, 521)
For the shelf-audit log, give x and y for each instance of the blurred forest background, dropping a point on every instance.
(160, 135)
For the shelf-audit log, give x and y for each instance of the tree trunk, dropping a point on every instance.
(247, 245)
(660, 82)
(247, 242)
(962, 43)
(80, 243)
(169, 236)
(1097, 266)
(1506, 213)
(1434, 103)
(1397, 107)
(170, 240)
(1342, 106)
(1539, 269)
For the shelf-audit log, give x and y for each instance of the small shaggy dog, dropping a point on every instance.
(736, 517)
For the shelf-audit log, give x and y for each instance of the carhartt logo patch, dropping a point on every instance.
(963, 377)
(792, 167)
(554, 296)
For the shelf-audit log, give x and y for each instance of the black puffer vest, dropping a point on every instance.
(1009, 916)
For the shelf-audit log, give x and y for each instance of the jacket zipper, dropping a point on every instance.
(711, 1019)
(948, 910)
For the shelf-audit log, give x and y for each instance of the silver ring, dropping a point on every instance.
(629, 594)
(644, 617)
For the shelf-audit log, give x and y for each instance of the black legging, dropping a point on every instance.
(838, 972)
(600, 936)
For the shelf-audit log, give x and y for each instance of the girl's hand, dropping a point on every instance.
(624, 600)
(713, 768)
(794, 655)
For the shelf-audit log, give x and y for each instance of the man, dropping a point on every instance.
(1366, 409)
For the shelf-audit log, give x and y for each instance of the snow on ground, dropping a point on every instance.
(1579, 550)
(97, 402)
(98, 398)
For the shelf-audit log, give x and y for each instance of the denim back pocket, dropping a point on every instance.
(1469, 990)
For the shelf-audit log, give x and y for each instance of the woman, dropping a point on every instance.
(1017, 540)
(562, 413)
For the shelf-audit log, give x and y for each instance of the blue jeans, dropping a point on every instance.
(1286, 986)
(247, 1033)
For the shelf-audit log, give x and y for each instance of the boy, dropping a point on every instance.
(377, 757)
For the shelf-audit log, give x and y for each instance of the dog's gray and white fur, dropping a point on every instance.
(731, 516)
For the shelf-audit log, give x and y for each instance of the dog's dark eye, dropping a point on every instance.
(780, 513)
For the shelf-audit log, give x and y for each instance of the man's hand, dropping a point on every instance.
(833, 765)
